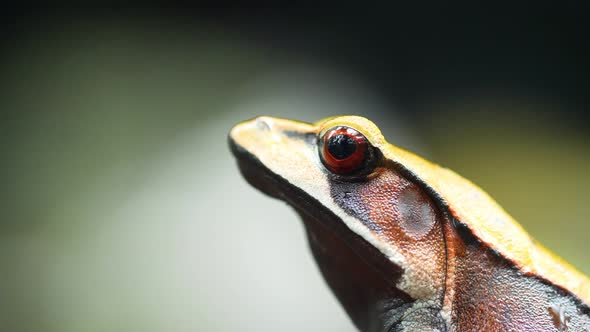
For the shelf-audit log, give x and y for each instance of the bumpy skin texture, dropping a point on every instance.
(491, 295)
(411, 246)
(400, 213)
(487, 293)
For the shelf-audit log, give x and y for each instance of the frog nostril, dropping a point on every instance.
(262, 124)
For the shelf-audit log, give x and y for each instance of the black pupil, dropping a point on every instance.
(341, 146)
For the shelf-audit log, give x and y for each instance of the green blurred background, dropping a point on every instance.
(123, 210)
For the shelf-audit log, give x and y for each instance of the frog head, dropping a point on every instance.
(377, 236)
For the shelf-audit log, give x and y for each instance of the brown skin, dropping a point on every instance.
(368, 294)
(490, 294)
(400, 212)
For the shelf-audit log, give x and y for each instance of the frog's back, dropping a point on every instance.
(475, 210)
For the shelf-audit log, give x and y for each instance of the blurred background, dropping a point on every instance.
(123, 210)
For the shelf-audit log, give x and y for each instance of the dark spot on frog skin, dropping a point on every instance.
(310, 138)
(464, 232)
(559, 317)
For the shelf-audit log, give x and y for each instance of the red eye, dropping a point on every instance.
(343, 150)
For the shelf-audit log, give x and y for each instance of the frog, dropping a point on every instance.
(403, 243)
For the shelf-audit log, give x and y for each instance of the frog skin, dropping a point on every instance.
(405, 244)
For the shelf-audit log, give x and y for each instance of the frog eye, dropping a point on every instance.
(344, 150)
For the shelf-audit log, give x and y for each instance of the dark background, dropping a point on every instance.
(121, 203)
(407, 52)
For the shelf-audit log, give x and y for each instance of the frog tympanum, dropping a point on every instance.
(405, 244)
